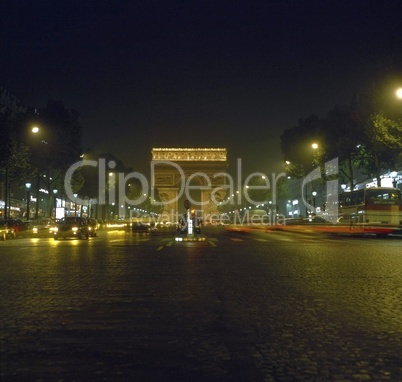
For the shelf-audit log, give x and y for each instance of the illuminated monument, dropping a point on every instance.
(196, 174)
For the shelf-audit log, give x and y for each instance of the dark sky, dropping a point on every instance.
(194, 73)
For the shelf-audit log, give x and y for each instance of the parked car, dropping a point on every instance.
(92, 227)
(16, 227)
(71, 226)
(3, 230)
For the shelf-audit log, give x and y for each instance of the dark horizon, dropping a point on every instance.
(170, 74)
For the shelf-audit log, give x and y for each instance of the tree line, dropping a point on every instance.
(43, 157)
(365, 135)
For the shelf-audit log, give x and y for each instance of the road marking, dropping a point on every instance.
(170, 243)
(236, 239)
(261, 239)
(212, 243)
(159, 248)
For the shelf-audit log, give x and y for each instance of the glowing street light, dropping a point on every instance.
(75, 204)
(314, 193)
(35, 130)
(55, 191)
(314, 146)
(399, 93)
(28, 190)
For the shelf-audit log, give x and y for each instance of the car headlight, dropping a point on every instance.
(35, 230)
(75, 229)
(55, 229)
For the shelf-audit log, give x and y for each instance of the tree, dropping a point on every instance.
(381, 144)
(342, 138)
(296, 146)
(92, 187)
(58, 145)
(359, 135)
(14, 154)
(10, 112)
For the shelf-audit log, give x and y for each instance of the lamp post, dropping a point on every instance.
(112, 213)
(28, 190)
(314, 193)
(394, 174)
(111, 196)
(75, 204)
(37, 195)
(37, 131)
(314, 146)
(55, 191)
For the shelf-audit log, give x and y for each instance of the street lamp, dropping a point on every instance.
(55, 201)
(112, 213)
(314, 146)
(112, 193)
(314, 193)
(38, 132)
(399, 93)
(28, 190)
(75, 204)
(394, 174)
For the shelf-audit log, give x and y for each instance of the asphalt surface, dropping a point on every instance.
(262, 306)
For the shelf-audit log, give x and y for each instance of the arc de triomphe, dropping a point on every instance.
(178, 170)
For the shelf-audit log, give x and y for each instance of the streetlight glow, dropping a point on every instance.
(28, 189)
(399, 93)
(35, 129)
(314, 146)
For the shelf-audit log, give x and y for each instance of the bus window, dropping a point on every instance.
(353, 198)
(360, 197)
(383, 197)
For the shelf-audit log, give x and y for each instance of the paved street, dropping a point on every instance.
(262, 306)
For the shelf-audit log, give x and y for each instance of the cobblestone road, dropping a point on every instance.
(260, 307)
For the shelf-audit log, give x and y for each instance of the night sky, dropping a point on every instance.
(193, 73)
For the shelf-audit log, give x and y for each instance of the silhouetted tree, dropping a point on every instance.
(15, 162)
(58, 144)
(342, 138)
(296, 145)
(381, 144)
